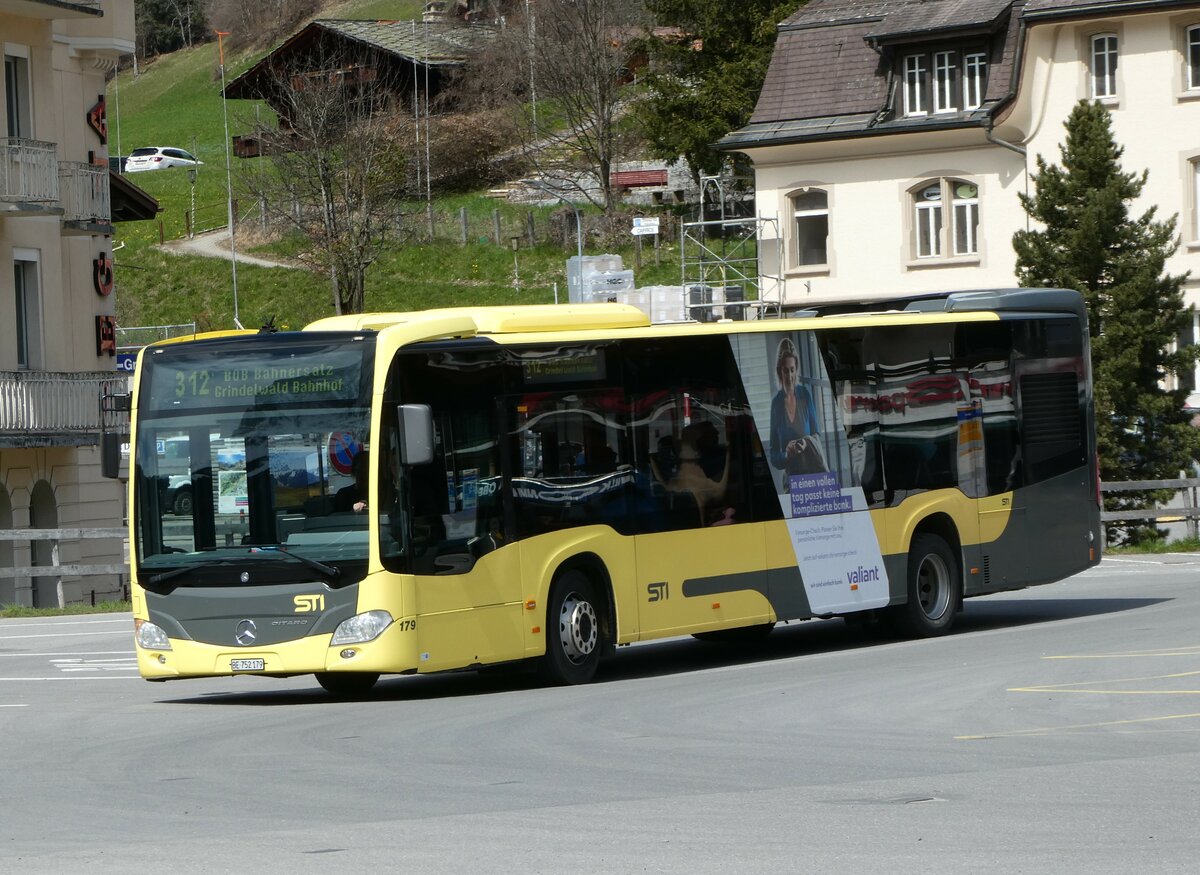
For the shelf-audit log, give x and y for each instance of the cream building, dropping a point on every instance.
(56, 303)
(892, 137)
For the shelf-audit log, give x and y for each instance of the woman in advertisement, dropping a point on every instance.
(795, 447)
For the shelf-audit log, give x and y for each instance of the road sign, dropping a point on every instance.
(126, 361)
(645, 225)
(343, 447)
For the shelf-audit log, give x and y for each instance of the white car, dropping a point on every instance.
(159, 157)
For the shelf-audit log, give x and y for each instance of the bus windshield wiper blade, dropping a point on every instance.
(164, 576)
(328, 570)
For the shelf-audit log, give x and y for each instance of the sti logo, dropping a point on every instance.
(306, 604)
(658, 592)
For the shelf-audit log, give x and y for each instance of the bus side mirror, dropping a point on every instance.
(416, 433)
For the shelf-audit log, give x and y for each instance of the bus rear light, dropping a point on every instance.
(149, 636)
(361, 627)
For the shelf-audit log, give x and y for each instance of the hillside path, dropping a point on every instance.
(215, 244)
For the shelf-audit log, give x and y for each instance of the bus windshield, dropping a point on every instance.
(253, 455)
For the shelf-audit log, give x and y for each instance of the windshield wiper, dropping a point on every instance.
(164, 576)
(329, 571)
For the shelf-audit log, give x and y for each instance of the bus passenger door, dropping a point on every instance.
(467, 588)
(701, 557)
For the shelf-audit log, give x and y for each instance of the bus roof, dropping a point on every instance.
(518, 322)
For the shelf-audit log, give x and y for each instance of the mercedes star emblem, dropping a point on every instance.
(245, 633)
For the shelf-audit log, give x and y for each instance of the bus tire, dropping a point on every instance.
(347, 685)
(934, 589)
(573, 640)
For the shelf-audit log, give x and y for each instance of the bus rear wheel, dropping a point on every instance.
(934, 589)
(573, 641)
(347, 685)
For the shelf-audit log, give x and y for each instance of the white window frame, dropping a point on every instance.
(27, 312)
(1194, 164)
(928, 218)
(940, 233)
(974, 79)
(914, 85)
(945, 81)
(18, 89)
(1191, 47)
(965, 217)
(801, 213)
(1103, 56)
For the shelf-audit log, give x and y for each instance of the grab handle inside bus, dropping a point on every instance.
(416, 433)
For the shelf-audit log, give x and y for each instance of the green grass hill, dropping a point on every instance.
(176, 101)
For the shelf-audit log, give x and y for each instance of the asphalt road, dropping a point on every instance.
(1057, 731)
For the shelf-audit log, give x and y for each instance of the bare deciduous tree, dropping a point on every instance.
(336, 172)
(561, 66)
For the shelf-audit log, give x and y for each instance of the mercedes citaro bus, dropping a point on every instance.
(548, 483)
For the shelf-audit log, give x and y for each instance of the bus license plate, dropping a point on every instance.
(247, 664)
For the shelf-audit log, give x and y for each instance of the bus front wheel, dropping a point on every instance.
(347, 685)
(572, 630)
(934, 588)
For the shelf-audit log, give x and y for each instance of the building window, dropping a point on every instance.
(1104, 66)
(931, 237)
(16, 96)
(28, 314)
(975, 74)
(965, 201)
(914, 85)
(929, 221)
(945, 82)
(1193, 58)
(1196, 198)
(810, 213)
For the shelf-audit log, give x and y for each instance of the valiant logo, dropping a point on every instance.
(862, 574)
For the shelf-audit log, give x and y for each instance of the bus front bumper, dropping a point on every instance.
(394, 651)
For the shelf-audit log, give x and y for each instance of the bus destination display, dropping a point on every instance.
(225, 381)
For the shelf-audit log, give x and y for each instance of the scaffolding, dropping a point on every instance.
(720, 266)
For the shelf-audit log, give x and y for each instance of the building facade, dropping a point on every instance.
(892, 137)
(57, 331)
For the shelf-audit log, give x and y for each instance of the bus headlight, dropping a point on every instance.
(149, 636)
(361, 627)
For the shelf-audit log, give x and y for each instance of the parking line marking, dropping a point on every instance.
(1084, 686)
(1170, 651)
(1045, 730)
(91, 677)
(23, 625)
(125, 632)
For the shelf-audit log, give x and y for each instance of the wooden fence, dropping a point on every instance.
(56, 569)
(1185, 487)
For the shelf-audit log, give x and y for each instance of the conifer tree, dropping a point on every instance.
(1091, 243)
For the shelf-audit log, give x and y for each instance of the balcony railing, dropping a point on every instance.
(28, 172)
(85, 195)
(51, 9)
(36, 405)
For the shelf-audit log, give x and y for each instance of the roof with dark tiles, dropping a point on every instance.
(829, 72)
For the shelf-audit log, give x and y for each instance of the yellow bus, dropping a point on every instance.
(418, 492)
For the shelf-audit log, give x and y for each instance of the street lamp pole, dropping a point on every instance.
(229, 183)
